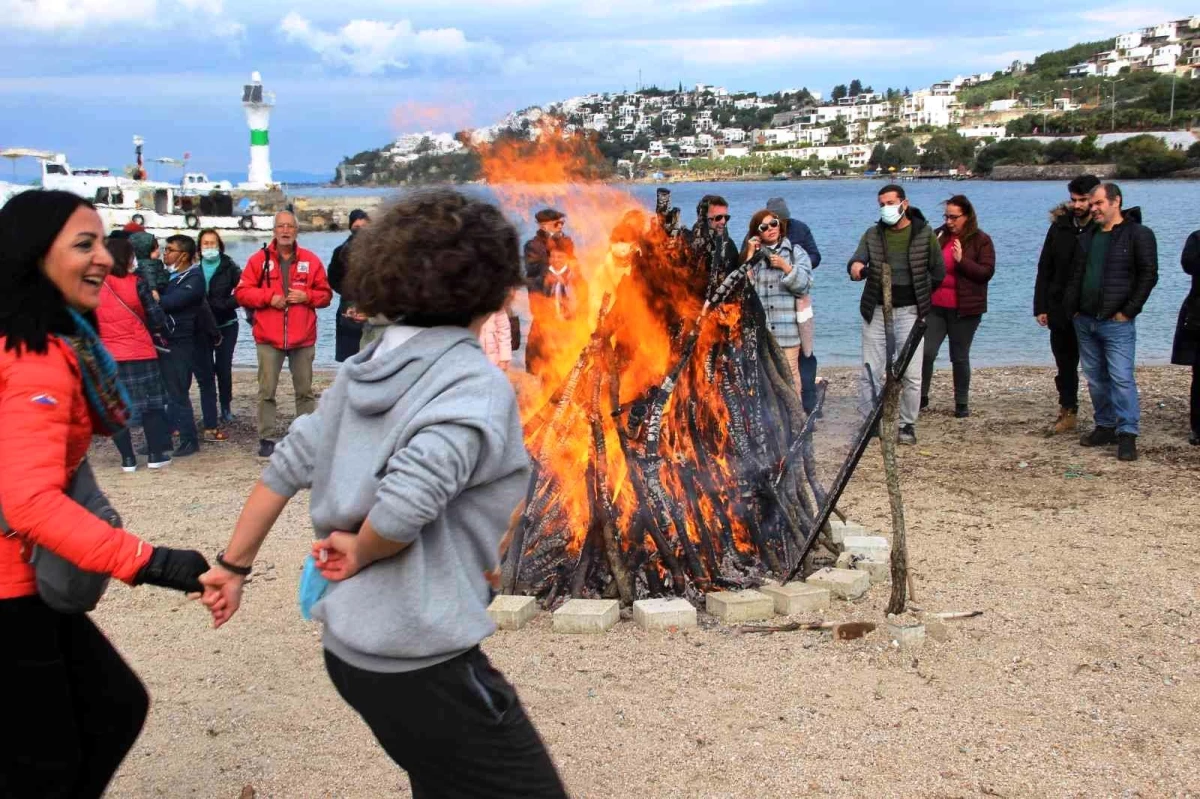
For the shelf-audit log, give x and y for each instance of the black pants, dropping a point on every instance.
(1196, 396)
(943, 322)
(348, 340)
(158, 435)
(176, 367)
(213, 367)
(72, 707)
(1065, 346)
(457, 728)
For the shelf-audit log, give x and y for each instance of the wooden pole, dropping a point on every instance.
(888, 430)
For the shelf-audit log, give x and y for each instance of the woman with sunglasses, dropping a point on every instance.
(960, 302)
(788, 276)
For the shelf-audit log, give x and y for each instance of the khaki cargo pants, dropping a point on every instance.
(270, 364)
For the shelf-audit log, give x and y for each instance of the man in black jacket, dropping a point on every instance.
(349, 321)
(1116, 267)
(1067, 222)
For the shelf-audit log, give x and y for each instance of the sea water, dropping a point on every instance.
(1015, 215)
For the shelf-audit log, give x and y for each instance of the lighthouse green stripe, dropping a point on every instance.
(258, 138)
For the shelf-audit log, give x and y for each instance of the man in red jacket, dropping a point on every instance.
(283, 285)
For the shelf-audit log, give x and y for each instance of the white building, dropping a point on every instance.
(925, 108)
(428, 143)
(733, 134)
(597, 122)
(1085, 70)
(983, 132)
(733, 152)
(857, 155)
(1163, 30)
(656, 149)
(1111, 69)
(1128, 41)
(704, 142)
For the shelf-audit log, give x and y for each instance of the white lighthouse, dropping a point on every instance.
(258, 104)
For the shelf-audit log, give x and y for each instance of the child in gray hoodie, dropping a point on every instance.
(415, 459)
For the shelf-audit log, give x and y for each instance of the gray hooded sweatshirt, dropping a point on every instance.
(424, 441)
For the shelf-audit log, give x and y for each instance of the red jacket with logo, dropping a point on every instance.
(123, 326)
(46, 432)
(296, 325)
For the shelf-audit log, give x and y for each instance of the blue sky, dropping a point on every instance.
(83, 76)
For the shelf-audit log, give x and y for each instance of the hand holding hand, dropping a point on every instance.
(278, 302)
(296, 297)
(857, 269)
(337, 556)
(1043, 319)
(178, 569)
(222, 593)
(956, 250)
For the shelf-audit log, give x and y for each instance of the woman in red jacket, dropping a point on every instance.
(960, 302)
(72, 707)
(127, 313)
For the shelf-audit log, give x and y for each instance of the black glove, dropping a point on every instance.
(179, 569)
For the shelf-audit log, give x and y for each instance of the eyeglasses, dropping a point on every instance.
(765, 226)
(285, 227)
(720, 218)
(952, 217)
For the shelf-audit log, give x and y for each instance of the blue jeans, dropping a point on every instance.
(1106, 350)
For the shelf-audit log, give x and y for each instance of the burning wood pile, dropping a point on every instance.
(672, 457)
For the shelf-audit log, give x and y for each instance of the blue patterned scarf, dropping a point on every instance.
(106, 397)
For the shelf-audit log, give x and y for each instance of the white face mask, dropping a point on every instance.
(621, 249)
(210, 254)
(891, 214)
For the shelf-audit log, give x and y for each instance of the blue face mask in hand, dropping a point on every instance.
(312, 587)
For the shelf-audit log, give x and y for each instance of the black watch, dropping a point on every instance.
(242, 571)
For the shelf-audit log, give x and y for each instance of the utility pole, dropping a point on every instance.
(1114, 83)
(1174, 76)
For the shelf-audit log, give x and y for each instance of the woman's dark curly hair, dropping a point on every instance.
(437, 257)
(31, 306)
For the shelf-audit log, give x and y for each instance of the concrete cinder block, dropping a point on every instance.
(587, 616)
(838, 529)
(841, 583)
(869, 546)
(793, 598)
(732, 606)
(512, 612)
(663, 614)
(905, 633)
(880, 571)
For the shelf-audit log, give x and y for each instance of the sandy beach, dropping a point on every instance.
(1081, 677)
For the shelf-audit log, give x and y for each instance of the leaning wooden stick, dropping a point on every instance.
(888, 430)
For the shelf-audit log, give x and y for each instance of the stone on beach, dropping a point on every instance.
(512, 612)
(664, 613)
(841, 583)
(587, 616)
(733, 606)
(793, 598)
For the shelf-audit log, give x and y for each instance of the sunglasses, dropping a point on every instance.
(765, 226)
(720, 218)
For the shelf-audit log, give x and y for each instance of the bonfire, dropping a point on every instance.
(671, 453)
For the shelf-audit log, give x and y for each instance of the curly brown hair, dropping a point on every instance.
(437, 257)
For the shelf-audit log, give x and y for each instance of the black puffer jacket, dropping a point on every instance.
(1130, 269)
(1186, 348)
(220, 290)
(339, 266)
(1056, 263)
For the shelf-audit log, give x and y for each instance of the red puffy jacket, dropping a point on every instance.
(296, 325)
(123, 326)
(46, 433)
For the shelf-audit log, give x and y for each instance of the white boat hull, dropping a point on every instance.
(249, 225)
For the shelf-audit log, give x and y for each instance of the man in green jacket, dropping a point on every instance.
(904, 240)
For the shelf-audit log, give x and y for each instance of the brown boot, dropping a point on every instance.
(1066, 422)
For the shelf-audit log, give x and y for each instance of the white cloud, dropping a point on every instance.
(367, 47)
(59, 15)
(47, 15)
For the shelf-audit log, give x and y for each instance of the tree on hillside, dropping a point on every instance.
(838, 92)
(901, 153)
(838, 133)
(946, 150)
(1057, 62)
(878, 154)
(1009, 151)
(856, 87)
(1144, 156)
